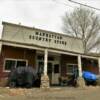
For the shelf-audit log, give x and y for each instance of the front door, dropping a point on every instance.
(55, 74)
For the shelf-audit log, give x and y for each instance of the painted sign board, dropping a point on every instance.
(38, 37)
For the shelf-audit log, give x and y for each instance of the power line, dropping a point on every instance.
(63, 3)
(84, 5)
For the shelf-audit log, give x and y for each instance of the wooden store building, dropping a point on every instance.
(56, 54)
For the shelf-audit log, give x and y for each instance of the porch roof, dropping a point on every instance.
(41, 48)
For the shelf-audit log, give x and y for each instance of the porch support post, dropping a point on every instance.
(79, 66)
(81, 82)
(99, 64)
(45, 61)
(44, 77)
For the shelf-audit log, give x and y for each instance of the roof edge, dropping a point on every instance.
(29, 27)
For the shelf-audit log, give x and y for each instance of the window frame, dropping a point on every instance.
(4, 70)
(69, 73)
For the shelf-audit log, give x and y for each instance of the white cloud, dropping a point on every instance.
(40, 13)
(44, 14)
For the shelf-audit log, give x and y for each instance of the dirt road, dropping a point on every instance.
(64, 93)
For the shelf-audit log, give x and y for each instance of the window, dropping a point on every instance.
(49, 70)
(56, 68)
(36, 33)
(40, 67)
(9, 64)
(13, 63)
(51, 58)
(21, 63)
(71, 68)
(40, 57)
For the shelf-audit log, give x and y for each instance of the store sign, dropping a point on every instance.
(42, 38)
(45, 37)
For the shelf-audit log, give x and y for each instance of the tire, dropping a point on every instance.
(12, 84)
(94, 83)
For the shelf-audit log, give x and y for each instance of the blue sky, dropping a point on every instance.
(44, 14)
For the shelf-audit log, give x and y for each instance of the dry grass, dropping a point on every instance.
(64, 93)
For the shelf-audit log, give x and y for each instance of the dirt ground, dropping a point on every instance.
(54, 93)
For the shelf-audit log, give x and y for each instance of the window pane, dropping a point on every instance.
(49, 70)
(9, 64)
(51, 58)
(21, 63)
(40, 67)
(56, 68)
(41, 57)
(70, 69)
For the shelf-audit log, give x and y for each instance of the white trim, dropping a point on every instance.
(42, 49)
(38, 48)
(91, 57)
(62, 52)
(72, 64)
(23, 46)
(73, 54)
(15, 63)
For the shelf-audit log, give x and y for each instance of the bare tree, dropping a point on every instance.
(83, 23)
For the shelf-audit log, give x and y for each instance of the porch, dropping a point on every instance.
(68, 64)
(53, 64)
